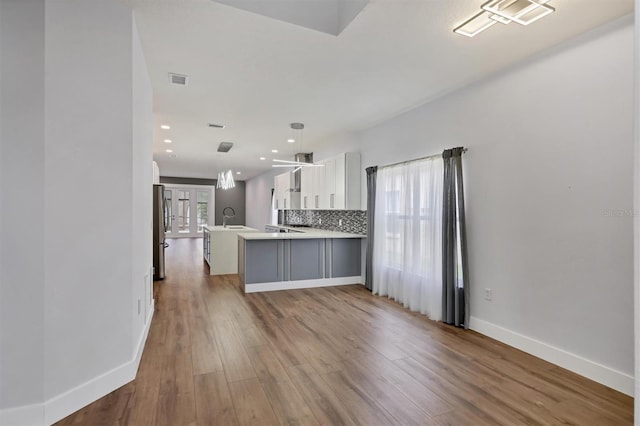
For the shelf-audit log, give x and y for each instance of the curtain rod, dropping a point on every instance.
(417, 159)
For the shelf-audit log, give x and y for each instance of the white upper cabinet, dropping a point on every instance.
(285, 198)
(307, 190)
(334, 186)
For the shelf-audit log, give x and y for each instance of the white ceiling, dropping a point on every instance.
(256, 74)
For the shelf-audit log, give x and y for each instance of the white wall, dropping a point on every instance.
(75, 173)
(550, 153)
(636, 230)
(88, 164)
(21, 202)
(142, 223)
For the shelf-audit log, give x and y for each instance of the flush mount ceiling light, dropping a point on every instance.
(523, 12)
(165, 127)
(225, 180)
(167, 141)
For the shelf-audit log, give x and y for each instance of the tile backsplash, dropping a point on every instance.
(353, 221)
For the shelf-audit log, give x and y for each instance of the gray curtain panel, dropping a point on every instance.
(372, 173)
(455, 269)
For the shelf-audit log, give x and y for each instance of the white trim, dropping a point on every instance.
(71, 401)
(27, 415)
(290, 285)
(607, 376)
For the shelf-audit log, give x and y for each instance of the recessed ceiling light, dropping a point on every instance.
(169, 150)
(275, 151)
(167, 141)
(262, 158)
(237, 173)
(291, 140)
(165, 127)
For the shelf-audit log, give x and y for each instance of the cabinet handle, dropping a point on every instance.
(332, 198)
(305, 201)
(317, 196)
(285, 203)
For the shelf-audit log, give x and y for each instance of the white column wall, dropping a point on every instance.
(21, 202)
(75, 205)
(142, 162)
(88, 171)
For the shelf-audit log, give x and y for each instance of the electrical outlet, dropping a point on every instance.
(488, 294)
(339, 222)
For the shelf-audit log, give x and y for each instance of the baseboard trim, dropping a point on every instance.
(27, 415)
(292, 285)
(607, 376)
(62, 405)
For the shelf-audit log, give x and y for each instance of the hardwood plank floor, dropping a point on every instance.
(328, 356)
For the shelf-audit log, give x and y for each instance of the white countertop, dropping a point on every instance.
(235, 228)
(301, 233)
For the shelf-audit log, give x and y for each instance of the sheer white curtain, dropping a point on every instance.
(407, 252)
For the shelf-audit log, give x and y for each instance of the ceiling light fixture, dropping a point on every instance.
(237, 173)
(168, 141)
(225, 180)
(275, 151)
(296, 129)
(165, 127)
(523, 12)
(169, 150)
(262, 158)
(291, 140)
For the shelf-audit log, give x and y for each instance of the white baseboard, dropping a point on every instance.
(607, 376)
(61, 406)
(27, 415)
(292, 285)
(71, 401)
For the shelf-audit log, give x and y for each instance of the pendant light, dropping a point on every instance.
(296, 136)
(225, 180)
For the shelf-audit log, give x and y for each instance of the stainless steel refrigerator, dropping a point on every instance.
(159, 228)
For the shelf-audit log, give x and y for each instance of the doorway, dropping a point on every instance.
(188, 210)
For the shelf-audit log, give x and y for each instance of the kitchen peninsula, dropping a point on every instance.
(298, 258)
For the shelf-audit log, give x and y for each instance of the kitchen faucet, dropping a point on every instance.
(226, 215)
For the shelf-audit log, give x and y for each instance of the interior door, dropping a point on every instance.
(187, 211)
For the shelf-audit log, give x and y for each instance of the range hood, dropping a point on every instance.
(297, 175)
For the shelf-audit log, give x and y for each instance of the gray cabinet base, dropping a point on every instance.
(280, 264)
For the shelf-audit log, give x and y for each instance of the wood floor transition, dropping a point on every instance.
(330, 356)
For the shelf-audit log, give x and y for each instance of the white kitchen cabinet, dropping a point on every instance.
(307, 188)
(285, 198)
(334, 186)
(342, 182)
(318, 187)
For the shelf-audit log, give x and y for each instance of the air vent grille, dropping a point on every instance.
(225, 146)
(178, 79)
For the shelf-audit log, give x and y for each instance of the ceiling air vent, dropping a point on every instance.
(178, 79)
(225, 146)
(216, 126)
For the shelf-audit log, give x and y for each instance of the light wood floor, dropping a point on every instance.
(330, 356)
